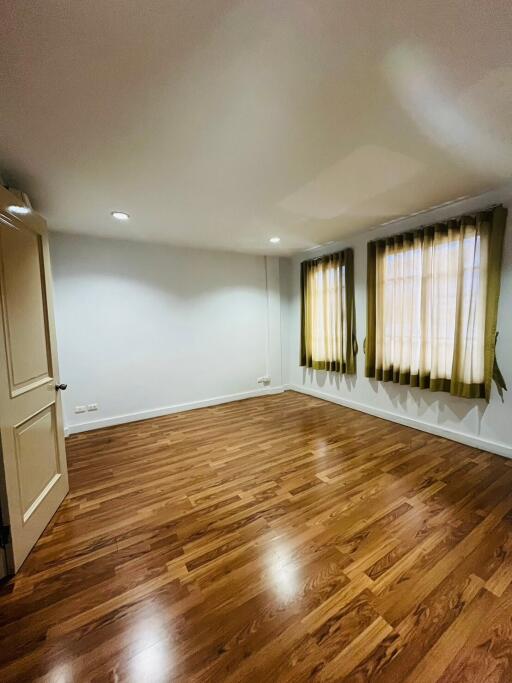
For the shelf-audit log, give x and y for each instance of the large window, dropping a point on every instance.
(432, 305)
(328, 313)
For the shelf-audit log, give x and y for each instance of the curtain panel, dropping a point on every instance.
(328, 313)
(433, 304)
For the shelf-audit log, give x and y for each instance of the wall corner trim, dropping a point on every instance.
(167, 410)
(467, 439)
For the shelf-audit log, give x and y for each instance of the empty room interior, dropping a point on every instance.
(256, 341)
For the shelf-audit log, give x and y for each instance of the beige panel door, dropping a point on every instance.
(34, 473)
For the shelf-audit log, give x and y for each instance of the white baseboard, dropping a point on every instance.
(167, 410)
(438, 430)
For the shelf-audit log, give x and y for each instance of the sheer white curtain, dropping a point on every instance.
(328, 339)
(430, 305)
(328, 312)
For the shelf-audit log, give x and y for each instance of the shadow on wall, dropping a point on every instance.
(333, 379)
(185, 273)
(447, 409)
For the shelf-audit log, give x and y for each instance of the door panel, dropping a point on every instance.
(36, 458)
(24, 314)
(34, 480)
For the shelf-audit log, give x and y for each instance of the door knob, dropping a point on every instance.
(62, 387)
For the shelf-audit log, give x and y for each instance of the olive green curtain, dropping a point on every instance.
(433, 303)
(328, 313)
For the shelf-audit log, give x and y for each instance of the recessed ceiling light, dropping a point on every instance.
(275, 240)
(120, 215)
(20, 210)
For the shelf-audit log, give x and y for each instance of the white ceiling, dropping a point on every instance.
(220, 124)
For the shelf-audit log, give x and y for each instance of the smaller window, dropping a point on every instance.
(328, 313)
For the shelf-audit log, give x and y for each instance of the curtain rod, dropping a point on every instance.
(411, 215)
(434, 208)
(427, 225)
(326, 256)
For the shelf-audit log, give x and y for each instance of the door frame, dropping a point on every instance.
(3, 554)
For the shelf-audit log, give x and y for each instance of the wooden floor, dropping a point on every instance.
(281, 538)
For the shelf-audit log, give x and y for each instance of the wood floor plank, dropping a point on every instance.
(280, 538)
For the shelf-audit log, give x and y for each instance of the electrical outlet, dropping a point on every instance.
(264, 380)
(92, 406)
(80, 409)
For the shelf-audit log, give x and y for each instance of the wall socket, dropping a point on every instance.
(264, 380)
(86, 409)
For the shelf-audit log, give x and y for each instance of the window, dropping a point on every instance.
(328, 313)
(432, 305)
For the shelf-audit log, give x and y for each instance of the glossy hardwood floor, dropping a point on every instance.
(281, 538)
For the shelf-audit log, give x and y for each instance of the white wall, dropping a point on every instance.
(145, 329)
(470, 421)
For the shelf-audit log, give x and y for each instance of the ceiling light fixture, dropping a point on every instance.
(18, 210)
(275, 240)
(120, 215)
